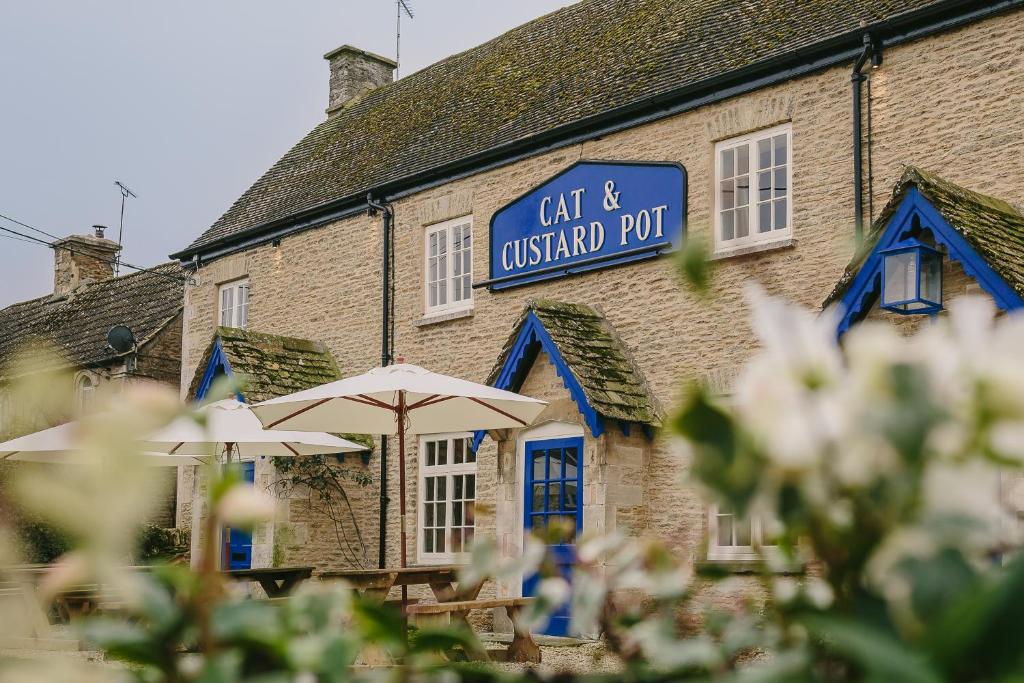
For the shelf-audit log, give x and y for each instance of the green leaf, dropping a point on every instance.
(694, 265)
(878, 653)
(378, 623)
(980, 633)
(442, 639)
(250, 621)
(123, 640)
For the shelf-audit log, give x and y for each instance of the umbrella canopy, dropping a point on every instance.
(369, 404)
(400, 399)
(232, 427)
(59, 444)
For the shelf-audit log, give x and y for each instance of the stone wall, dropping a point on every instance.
(951, 104)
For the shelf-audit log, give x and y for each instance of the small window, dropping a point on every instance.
(234, 304)
(753, 200)
(449, 266)
(447, 497)
(731, 537)
(85, 391)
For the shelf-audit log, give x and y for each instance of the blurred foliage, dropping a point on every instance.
(40, 543)
(158, 544)
(879, 465)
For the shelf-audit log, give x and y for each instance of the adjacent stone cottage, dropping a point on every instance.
(73, 323)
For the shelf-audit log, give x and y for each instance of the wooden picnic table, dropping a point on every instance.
(278, 582)
(376, 583)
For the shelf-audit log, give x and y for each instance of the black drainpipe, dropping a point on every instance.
(385, 359)
(872, 51)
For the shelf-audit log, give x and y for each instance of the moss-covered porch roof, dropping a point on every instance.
(269, 365)
(589, 349)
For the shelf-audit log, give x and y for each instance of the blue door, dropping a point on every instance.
(554, 482)
(240, 542)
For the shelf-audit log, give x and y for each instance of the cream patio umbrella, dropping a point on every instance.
(232, 429)
(380, 400)
(58, 445)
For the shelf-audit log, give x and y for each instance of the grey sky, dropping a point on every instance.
(186, 102)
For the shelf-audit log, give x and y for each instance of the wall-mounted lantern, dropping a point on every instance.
(911, 278)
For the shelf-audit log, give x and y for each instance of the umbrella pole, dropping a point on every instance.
(401, 487)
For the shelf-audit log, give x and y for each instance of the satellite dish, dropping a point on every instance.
(121, 339)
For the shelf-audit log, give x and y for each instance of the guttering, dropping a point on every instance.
(942, 16)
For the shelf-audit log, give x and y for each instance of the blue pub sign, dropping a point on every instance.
(594, 214)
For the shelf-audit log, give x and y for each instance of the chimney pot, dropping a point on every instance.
(354, 73)
(80, 259)
(98, 230)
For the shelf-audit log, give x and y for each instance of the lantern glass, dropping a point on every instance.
(931, 277)
(900, 278)
(912, 279)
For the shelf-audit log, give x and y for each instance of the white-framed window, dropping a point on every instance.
(753, 188)
(447, 499)
(731, 537)
(448, 267)
(233, 299)
(85, 390)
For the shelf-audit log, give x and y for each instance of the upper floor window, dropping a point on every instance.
(449, 265)
(234, 304)
(447, 497)
(732, 537)
(753, 201)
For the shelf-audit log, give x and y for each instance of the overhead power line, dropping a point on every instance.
(26, 225)
(36, 240)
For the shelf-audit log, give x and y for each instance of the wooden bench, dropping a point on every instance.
(523, 647)
(277, 582)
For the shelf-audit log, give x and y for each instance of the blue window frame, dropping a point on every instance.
(554, 483)
(554, 489)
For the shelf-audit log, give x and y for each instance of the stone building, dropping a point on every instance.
(508, 215)
(72, 325)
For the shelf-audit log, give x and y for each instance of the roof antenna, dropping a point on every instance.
(400, 6)
(125, 193)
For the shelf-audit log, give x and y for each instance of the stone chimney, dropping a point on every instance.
(354, 73)
(80, 259)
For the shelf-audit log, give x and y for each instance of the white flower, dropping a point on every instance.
(785, 589)
(970, 488)
(245, 506)
(819, 593)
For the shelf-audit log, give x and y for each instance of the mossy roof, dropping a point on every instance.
(591, 350)
(269, 365)
(77, 324)
(992, 227)
(590, 59)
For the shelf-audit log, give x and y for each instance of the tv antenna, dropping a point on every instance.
(125, 193)
(400, 6)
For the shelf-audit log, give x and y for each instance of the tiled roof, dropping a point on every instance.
(269, 365)
(992, 227)
(585, 61)
(596, 357)
(77, 324)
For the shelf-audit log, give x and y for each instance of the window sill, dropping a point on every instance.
(725, 253)
(443, 317)
(712, 567)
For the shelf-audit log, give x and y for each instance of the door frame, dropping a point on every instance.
(246, 466)
(549, 431)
